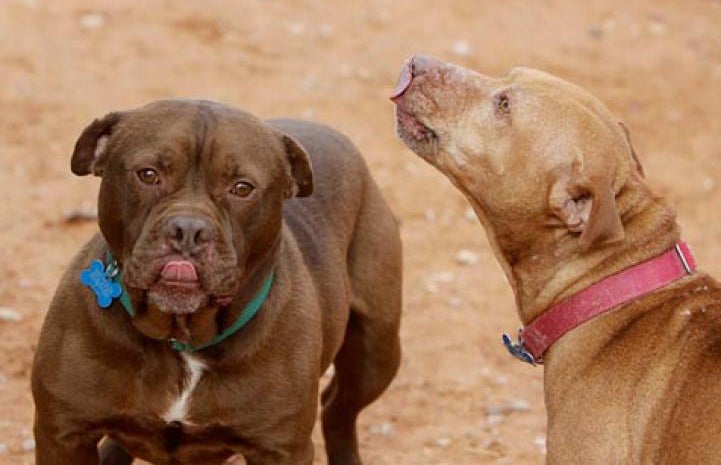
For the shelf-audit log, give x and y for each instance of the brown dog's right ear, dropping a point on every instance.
(90, 146)
(634, 155)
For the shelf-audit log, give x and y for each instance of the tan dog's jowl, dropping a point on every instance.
(203, 206)
(557, 185)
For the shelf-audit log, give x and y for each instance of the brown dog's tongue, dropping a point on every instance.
(404, 80)
(179, 272)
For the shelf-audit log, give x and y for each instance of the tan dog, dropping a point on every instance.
(556, 184)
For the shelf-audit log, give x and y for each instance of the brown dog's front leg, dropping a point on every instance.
(51, 451)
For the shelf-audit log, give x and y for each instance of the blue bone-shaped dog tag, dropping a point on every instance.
(98, 280)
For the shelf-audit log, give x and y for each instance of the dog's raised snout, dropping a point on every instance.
(415, 66)
(187, 233)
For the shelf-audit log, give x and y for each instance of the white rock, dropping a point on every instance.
(28, 445)
(501, 380)
(516, 405)
(466, 257)
(443, 441)
(442, 277)
(461, 48)
(325, 30)
(540, 442)
(3, 448)
(8, 314)
(383, 429)
(493, 420)
(686, 312)
(708, 184)
(470, 215)
(296, 29)
(92, 20)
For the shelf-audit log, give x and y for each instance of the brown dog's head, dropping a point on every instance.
(541, 160)
(191, 197)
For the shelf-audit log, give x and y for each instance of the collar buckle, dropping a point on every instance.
(682, 257)
(518, 349)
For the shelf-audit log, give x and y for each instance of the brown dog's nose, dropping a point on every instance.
(187, 233)
(415, 66)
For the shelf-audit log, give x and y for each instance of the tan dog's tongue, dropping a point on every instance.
(404, 80)
(180, 271)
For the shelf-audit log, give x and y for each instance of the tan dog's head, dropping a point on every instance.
(541, 159)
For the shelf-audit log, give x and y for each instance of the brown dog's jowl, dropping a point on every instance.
(560, 191)
(251, 255)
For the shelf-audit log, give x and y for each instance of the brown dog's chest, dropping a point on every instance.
(160, 442)
(198, 415)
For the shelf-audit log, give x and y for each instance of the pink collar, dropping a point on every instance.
(601, 297)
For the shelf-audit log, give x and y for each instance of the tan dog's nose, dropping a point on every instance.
(415, 66)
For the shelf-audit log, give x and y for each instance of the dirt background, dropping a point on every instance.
(459, 398)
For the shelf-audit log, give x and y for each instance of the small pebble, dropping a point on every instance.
(470, 215)
(516, 405)
(455, 301)
(325, 31)
(461, 48)
(383, 429)
(92, 20)
(708, 184)
(8, 314)
(3, 448)
(296, 29)
(443, 442)
(540, 442)
(28, 445)
(466, 257)
(685, 312)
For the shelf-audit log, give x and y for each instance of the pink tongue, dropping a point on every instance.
(179, 272)
(404, 80)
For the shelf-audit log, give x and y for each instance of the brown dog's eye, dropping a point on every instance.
(503, 103)
(148, 176)
(242, 189)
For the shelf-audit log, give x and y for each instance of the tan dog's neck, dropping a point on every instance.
(556, 270)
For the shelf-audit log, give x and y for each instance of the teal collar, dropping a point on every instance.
(112, 271)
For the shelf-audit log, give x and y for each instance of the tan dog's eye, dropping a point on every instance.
(148, 176)
(503, 103)
(242, 189)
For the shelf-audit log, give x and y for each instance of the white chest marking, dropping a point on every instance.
(194, 368)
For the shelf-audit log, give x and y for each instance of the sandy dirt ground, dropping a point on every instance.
(459, 398)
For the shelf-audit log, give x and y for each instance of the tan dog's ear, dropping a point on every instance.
(300, 168)
(90, 146)
(587, 206)
(634, 155)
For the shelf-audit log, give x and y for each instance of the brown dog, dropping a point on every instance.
(194, 207)
(556, 184)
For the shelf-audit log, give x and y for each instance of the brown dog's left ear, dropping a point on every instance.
(91, 145)
(587, 206)
(300, 168)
